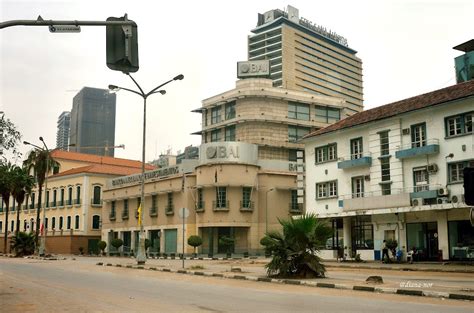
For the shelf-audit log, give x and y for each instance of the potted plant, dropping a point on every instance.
(102, 245)
(228, 244)
(194, 241)
(81, 250)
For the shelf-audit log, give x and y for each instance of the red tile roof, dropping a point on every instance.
(456, 92)
(96, 159)
(100, 169)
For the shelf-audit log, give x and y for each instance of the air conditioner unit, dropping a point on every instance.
(443, 192)
(406, 131)
(432, 168)
(442, 200)
(457, 198)
(417, 202)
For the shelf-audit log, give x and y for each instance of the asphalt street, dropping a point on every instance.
(28, 285)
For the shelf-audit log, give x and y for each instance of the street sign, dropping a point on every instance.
(64, 29)
(183, 213)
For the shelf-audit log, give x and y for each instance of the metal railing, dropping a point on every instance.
(125, 214)
(354, 156)
(77, 201)
(112, 216)
(153, 211)
(169, 209)
(418, 144)
(96, 202)
(246, 205)
(393, 191)
(220, 205)
(200, 206)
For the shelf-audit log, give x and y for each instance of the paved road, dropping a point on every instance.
(73, 286)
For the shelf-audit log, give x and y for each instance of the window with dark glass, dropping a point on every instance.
(215, 135)
(384, 143)
(418, 135)
(455, 171)
(295, 133)
(95, 222)
(76, 222)
(55, 192)
(326, 153)
(221, 197)
(327, 114)
(200, 198)
(420, 178)
(78, 194)
(53, 223)
(69, 196)
(32, 201)
(459, 124)
(97, 191)
(246, 194)
(326, 189)
(61, 220)
(362, 232)
(215, 115)
(47, 198)
(356, 148)
(230, 110)
(230, 133)
(61, 198)
(169, 207)
(68, 222)
(357, 187)
(299, 111)
(385, 168)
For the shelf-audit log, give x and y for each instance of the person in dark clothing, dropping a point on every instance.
(385, 251)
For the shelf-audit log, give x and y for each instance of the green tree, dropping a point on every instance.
(117, 243)
(294, 249)
(10, 137)
(6, 186)
(23, 183)
(227, 243)
(41, 162)
(194, 241)
(23, 244)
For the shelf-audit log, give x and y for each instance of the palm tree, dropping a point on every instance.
(6, 184)
(23, 244)
(23, 182)
(294, 250)
(41, 162)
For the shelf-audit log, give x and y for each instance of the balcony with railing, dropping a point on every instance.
(295, 208)
(153, 211)
(246, 206)
(398, 197)
(418, 148)
(200, 206)
(96, 202)
(77, 201)
(112, 216)
(169, 209)
(355, 160)
(125, 214)
(69, 202)
(220, 205)
(61, 204)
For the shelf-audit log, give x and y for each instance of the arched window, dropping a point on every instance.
(12, 228)
(32, 205)
(96, 222)
(76, 222)
(53, 223)
(61, 221)
(46, 223)
(25, 224)
(69, 196)
(78, 194)
(96, 199)
(68, 222)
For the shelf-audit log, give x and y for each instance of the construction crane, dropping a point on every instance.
(106, 147)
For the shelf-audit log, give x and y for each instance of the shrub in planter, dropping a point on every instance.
(102, 245)
(194, 241)
(228, 244)
(116, 243)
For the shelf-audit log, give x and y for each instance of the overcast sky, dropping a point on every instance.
(405, 47)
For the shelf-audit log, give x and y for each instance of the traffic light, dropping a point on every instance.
(122, 46)
(469, 185)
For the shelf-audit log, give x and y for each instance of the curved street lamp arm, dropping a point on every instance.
(156, 88)
(140, 88)
(130, 90)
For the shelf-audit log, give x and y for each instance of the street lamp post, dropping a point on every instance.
(266, 209)
(42, 247)
(141, 256)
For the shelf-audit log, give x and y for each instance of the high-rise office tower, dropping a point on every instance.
(62, 134)
(306, 56)
(93, 122)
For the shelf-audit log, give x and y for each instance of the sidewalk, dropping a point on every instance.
(448, 267)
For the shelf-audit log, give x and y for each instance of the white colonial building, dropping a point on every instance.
(396, 172)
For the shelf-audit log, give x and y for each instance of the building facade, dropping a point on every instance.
(242, 180)
(308, 57)
(396, 172)
(62, 134)
(72, 201)
(92, 128)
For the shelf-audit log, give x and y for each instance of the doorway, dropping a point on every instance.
(423, 239)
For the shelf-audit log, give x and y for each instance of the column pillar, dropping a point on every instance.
(346, 226)
(443, 239)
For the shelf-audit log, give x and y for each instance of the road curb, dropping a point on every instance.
(386, 290)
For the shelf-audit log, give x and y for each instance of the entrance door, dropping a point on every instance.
(224, 232)
(432, 240)
(154, 241)
(171, 240)
(127, 241)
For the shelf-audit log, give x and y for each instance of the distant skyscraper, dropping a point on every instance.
(93, 122)
(306, 56)
(62, 135)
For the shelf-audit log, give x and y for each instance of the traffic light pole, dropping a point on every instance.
(41, 22)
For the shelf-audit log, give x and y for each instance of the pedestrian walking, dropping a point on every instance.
(385, 251)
